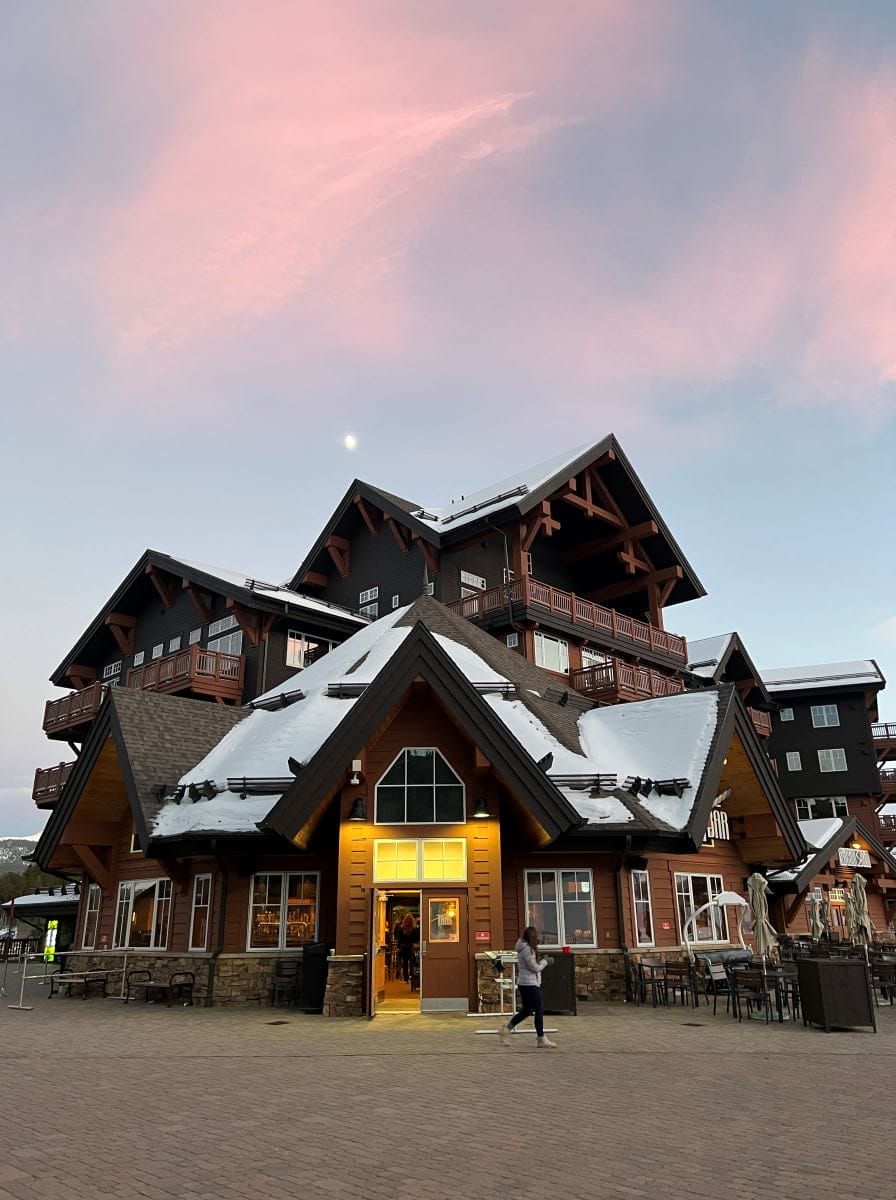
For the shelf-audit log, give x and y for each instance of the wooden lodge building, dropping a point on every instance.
(503, 732)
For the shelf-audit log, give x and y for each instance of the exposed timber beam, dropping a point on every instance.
(636, 584)
(204, 610)
(163, 583)
(248, 619)
(339, 549)
(122, 627)
(81, 676)
(399, 532)
(94, 868)
(544, 522)
(632, 533)
(314, 579)
(369, 515)
(430, 554)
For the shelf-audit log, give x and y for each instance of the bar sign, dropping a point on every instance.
(483, 935)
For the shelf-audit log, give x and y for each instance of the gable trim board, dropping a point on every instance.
(850, 828)
(421, 656)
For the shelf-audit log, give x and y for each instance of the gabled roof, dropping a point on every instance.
(711, 658)
(157, 738)
(254, 593)
(45, 902)
(864, 675)
(514, 496)
(824, 838)
(523, 714)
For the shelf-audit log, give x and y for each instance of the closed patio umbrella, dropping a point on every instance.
(826, 915)
(764, 936)
(860, 925)
(849, 912)
(816, 924)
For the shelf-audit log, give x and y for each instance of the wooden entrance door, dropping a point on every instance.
(444, 950)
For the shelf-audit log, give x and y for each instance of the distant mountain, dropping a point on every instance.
(11, 851)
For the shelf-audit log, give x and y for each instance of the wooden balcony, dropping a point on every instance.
(616, 681)
(762, 721)
(573, 610)
(48, 784)
(887, 829)
(202, 672)
(70, 717)
(884, 740)
(888, 782)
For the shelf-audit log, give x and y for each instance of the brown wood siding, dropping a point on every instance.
(721, 859)
(602, 867)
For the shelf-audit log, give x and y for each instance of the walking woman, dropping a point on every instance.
(530, 965)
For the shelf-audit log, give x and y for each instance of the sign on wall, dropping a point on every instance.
(475, 581)
(853, 858)
(50, 941)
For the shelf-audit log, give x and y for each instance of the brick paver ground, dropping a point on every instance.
(102, 1100)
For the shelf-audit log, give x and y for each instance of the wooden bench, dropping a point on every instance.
(83, 979)
(178, 986)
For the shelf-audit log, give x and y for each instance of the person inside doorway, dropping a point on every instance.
(408, 937)
(530, 964)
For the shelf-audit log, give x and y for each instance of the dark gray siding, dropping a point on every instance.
(852, 735)
(378, 562)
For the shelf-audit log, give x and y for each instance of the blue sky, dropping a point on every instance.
(474, 239)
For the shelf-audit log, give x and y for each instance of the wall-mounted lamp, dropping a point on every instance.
(855, 845)
(356, 772)
(480, 812)
(359, 810)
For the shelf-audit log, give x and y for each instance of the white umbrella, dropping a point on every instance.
(860, 922)
(764, 936)
(816, 924)
(826, 915)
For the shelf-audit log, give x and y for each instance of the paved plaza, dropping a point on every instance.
(104, 1100)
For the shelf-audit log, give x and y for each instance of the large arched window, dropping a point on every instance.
(419, 788)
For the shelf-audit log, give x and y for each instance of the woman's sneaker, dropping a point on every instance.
(504, 1034)
(546, 1041)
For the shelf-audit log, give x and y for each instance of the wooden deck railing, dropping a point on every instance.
(888, 780)
(206, 672)
(49, 782)
(762, 721)
(617, 680)
(532, 593)
(885, 731)
(77, 708)
(887, 824)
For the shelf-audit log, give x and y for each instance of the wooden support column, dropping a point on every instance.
(122, 627)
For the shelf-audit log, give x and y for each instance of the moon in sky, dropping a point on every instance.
(350, 441)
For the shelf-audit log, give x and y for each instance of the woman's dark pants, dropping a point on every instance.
(531, 998)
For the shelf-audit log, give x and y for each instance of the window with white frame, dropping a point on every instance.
(473, 581)
(560, 904)
(643, 912)
(370, 610)
(202, 899)
(139, 657)
(593, 658)
(112, 669)
(419, 860)
(513, 640)
(811, 808)
(91, 916)
(396, 600)
(195, 636)
(508, 575)
(825, 715)
(283, 910)
(528, 560)
(159, 650)
(369, 594)
(419, 788)
(691, 893)
(551, 653)
(794, 762)
(230, 643)
(174, 644)
(221, 626)
(142, 914)
(429, 589)
(832, 760)
(785, 714)
(302, 650)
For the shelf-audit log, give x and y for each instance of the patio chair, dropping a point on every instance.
(718, 983)
(285, 980)
(680, 981)
(750, 987)
(883, 980)
(652, 970)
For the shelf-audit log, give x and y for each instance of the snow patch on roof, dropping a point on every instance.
(705, 654)
(842, 675)
(272, 591)
(225, 813)
(820, 831)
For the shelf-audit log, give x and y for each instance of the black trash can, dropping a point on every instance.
(558, 985)
(314, 977)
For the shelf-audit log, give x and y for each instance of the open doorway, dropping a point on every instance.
(395, 952)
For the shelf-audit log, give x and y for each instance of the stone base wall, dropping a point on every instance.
(599, 976)
(344, 996)
(238, 978)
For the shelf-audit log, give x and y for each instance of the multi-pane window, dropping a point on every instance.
(142, 914)
(158, 651)
(643, 913)
(230, 643)
(785, 714)
(396, 600)
(794, 762)
(195, 636)
(202, 898)
(825, 715)
(528, 564)
(174, 644)
(692, 892)
(301, 650)
(419, 788)
(593, 658)
(419, 860)
(560, 904)
(369, 594)
(112, 669)
(552, 653)
(832, 760)
(283, 910)
(221, 626)
(91, 916)
(370, 610)
(810, 808)
(513, 640)
(139, 657)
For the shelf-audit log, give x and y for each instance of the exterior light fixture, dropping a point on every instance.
(855, 845)
(480, 812)
(359, 810)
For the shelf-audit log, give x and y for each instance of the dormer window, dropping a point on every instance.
(419, 788)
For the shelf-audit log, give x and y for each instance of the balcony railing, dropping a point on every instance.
(762, 721)
(888, 781)
(887, 825)
(612, 681)
(884, 738)
(49, 782)
(75, 709)
(205, 672)
(532, 593)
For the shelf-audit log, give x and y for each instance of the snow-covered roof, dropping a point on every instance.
(489, 499)
(68, 894)
(826, 675)
(817, 833)
(705, 654)
(662, 739)
(273, 591)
